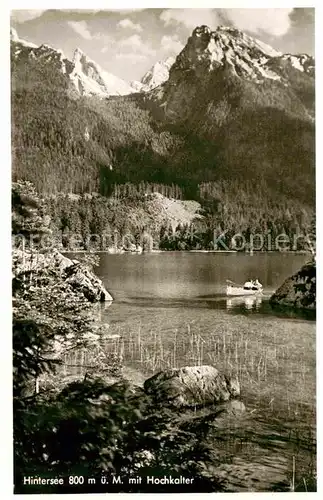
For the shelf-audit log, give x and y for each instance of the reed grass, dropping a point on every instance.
(277, 377)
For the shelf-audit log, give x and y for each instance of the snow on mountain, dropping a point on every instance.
(215, 67)
(137, 86)
(302, 62)
(15, 38)
(85, 75)
(89, 79)
(247, 57)
(157, 75)
(205, 52)
(229, 50)
(44, 54)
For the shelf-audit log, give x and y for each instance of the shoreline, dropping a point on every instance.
(123, 252)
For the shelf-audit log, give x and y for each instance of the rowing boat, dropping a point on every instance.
(235, 290)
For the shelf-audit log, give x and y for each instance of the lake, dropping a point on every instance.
(189, 278)
(170, 310)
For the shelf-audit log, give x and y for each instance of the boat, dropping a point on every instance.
(233, 289)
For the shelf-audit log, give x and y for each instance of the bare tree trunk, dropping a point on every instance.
(36, 385)
(312, 249)
(23, 258)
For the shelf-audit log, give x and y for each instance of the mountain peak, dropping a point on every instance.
(79, 55)
(14, 37)
(231, 36)
(157, 74)
(201, 31)
(78, 51)
(85, 75)
(90, 79)
(247, 57)
(213, 63)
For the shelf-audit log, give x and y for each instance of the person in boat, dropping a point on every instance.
(257, 285)
(248, 285)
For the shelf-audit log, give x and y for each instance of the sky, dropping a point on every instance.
(128, 42)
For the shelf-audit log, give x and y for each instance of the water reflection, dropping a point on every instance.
(249, 303)
(185, 276)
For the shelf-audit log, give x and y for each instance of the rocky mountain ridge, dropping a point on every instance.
(157, 75)
(247, 57)
(302, 62)
(90, 79)
(84, 74)
(14, 37)
(228, 63)
(206, 51)
(232, 109)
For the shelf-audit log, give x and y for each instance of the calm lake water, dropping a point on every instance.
(189, 279)
(170, 310)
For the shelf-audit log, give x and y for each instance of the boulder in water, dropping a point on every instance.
(84, 280)
(192, 386)
(298, 291)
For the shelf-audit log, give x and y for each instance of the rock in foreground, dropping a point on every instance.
(298, 291)
(73, 272)
(82, 279)
(192, 386)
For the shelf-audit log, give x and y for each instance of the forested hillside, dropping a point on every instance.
(136, 218)
(242, 148)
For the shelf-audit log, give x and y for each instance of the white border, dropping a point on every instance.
(5, 257)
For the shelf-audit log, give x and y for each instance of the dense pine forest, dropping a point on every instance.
(246, 155)
(130, 214)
